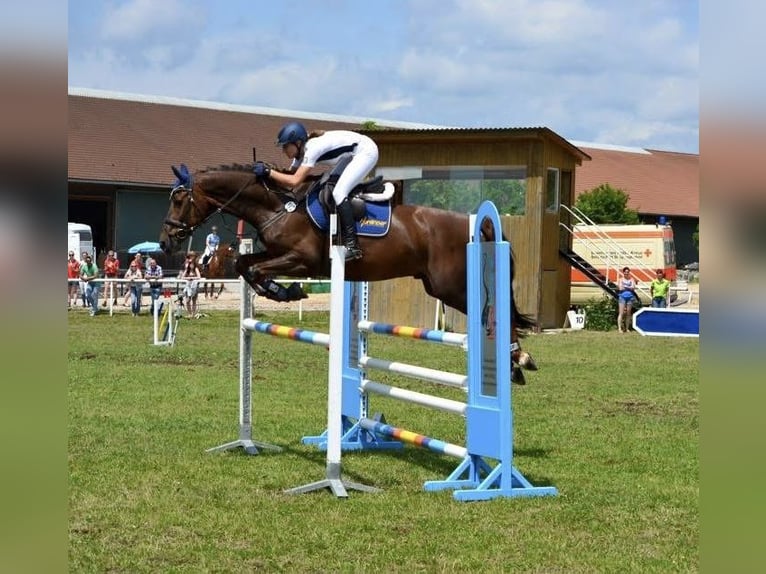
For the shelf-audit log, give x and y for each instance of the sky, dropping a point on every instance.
(611, 72)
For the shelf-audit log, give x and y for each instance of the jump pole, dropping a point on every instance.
(338, 313)
(245, 440)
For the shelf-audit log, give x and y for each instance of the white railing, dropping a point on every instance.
(625, 257)
(108, 290)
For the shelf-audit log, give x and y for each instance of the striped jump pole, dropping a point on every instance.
(445, 337)
(414, 438)
(301, 335)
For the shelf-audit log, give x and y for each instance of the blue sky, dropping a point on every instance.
(623, 73)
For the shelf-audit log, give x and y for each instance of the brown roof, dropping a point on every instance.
(658, 182)
(119, 140)
(135, 140)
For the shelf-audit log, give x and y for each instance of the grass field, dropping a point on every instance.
(611, 420)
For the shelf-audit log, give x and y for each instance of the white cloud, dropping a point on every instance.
(588, 69)
(139, 19)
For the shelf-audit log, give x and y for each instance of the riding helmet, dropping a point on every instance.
(292, 132)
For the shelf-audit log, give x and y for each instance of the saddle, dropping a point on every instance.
(369, 188)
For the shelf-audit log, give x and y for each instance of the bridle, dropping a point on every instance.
(184, 229)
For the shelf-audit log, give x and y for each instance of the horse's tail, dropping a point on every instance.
(523, 321)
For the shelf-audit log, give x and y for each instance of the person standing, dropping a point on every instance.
(89, 274)
(626, 285)
(139, 261)
(326, 148)
(191, 273)
(212, 241)
(659, 289)
(83, 284)
(153, 275)
(111, 272)
(136, 285)
(72, 274)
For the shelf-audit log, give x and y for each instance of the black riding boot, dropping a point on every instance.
(348, 230)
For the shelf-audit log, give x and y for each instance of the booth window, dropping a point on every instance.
(462, 189)
(552, 191)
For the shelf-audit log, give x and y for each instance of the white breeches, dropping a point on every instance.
(363, 162)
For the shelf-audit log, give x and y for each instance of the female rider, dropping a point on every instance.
(326, 148)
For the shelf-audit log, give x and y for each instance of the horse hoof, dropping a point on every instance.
(517, 376)
(527, 362)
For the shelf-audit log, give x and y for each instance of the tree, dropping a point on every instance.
(606, 204)
(696, 237)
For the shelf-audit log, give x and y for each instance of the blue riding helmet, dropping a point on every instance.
(292, 132)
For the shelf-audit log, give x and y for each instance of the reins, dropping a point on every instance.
(287, 207)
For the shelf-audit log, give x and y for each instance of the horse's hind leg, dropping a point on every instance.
(526, 361)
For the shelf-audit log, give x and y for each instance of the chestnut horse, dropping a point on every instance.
(422, 242)
(219, 266)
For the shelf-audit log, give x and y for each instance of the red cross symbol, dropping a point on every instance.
(647, 253)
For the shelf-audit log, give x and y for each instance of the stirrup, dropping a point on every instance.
(353, 253)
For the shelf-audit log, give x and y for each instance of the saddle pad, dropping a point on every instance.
(375, 223)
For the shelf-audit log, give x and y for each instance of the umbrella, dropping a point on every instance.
(145, 247)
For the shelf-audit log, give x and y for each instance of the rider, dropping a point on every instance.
(326, 148)
(211, 244)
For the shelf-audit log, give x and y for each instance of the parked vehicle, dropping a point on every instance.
(80, 239)
(609, 248)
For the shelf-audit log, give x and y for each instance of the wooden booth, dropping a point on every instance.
(527, 172)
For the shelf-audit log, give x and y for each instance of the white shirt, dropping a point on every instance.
(329, 147)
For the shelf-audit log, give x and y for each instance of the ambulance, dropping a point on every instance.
(609, 248)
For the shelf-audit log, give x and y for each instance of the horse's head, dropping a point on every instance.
(188, 209)
(194, 198)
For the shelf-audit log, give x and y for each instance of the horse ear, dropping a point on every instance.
(185, 172)
(176, 172)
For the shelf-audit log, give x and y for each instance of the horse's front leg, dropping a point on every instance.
(258, 269)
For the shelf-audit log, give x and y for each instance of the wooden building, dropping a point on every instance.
(542, 162)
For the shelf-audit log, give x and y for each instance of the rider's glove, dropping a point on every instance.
(260, 170)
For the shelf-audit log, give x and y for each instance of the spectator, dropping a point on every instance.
(135, 276)
(89, 274)
(83, 284)
(139, 261)
(72, 274)
(626, 286)
(153, 275)
(111, 271)
(212, 241)
(659, 289)
(191, 273)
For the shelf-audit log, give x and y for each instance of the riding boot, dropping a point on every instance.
(348, 230)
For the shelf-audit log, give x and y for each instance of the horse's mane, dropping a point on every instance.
(246, 167)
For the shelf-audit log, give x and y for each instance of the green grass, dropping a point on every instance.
(611, 420)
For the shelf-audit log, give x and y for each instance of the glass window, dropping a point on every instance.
(462, 189)
(552, 191)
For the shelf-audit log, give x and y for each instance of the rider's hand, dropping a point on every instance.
(260, 170)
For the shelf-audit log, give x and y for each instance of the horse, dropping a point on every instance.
(422, 242)
(219, 266)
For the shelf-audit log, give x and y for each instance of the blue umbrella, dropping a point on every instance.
(145, 247)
